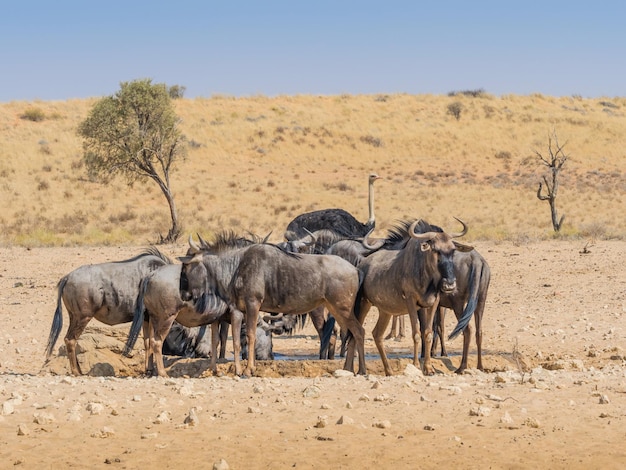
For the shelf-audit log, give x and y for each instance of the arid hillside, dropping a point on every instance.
(254, 163)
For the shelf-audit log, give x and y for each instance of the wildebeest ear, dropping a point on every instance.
(197, 258)
(462, 247)
(425, 246)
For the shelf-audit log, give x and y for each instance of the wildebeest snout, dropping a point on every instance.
(448, 285)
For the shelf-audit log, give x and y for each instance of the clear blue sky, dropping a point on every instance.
(60, 49)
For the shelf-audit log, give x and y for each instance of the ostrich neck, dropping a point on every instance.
(372, 217)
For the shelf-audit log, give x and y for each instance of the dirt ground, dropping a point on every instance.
(553, 394)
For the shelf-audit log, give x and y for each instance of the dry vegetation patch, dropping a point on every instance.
(254, 163)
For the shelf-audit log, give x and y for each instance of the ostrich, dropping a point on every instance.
(337, 220)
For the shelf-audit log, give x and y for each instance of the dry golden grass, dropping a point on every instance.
(254, 163)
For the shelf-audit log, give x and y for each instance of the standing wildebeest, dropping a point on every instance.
(403, 280)
(472, 283)
(337, 220)
(107, 292)
(263, 277)
(160, 297)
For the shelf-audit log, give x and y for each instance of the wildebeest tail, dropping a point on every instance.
(138, 318)
(327, 333)
(468, 312)
(356, 309)
(57, 320)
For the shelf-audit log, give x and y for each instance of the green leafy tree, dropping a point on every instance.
(135, 134)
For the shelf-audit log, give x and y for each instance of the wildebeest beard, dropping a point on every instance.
(210, 302)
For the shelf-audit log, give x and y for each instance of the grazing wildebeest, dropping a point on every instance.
(472, 283)
(266, 327)
(187, 342)
(160, 298)
(402, 280)
(107, 292)
(263, 277)
(337, 220)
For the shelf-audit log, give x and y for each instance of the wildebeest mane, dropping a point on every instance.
(284, 250)
(150, 251)
(228, 240)
(398, 235)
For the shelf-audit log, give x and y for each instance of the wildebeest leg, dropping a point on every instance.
(467, 337)
(343, 312)
(252, 318)
(426, 330)
(223, 337)
(378, 332)
(415, 334)
(215, 337)
(479, 340)
(78, 322)
(318, 320)
(147, 326)
(478, 320)
(161, 328)
(236, 319)
(439, 330)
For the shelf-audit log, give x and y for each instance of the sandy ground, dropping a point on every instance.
(560, 402)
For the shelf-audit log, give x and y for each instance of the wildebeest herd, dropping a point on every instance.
(328, 268)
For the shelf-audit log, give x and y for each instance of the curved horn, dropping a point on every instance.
(375, 246)
(203, 243)
(313, 238)
(267, 237)
(269, 317)
(460, 234)
(420, 236)
(193, 246)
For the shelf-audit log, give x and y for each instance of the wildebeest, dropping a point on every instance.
(319, 242)
(187, 342)
(403, 280)
(195, 342)
(107, 292)
(263, 277)
(160, 298)
(337, 220)
(472, 283)
(267, 326)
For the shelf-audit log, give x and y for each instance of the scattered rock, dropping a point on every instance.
(345, 420)
(43, 418)
(532, 422)
(95, 408)
(480, 411)
(192, 418)
(163, 417)
(312, 391)
(339, 373)
(221, 464)
(385, 424)
(22, 430)
(322, 421)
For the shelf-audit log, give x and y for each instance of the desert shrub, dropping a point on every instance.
(122, 217)
(176, 91)
(43, 185)
(479, 92)
(455, 109)
(33, 114)
(503, 155)
(373, 141)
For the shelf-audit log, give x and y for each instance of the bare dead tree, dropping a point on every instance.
(555, 160)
